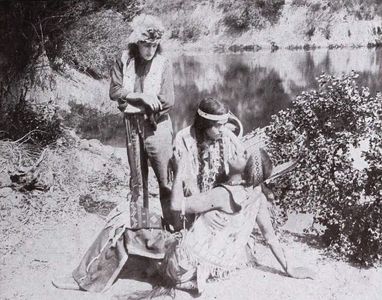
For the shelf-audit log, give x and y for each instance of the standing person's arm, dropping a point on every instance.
(166, 95)
(118, 93)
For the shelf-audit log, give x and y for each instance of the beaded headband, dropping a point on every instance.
(213, 117)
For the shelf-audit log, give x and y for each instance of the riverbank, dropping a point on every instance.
(45, 233)
(293, 25)
(272, 41)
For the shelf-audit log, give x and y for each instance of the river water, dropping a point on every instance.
(255, 85)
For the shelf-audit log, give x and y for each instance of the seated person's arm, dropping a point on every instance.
(216, 199)
(264, 221)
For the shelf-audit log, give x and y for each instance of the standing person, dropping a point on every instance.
(142, 84)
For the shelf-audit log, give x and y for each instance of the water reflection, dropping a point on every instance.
(257, 85)
(252, 92)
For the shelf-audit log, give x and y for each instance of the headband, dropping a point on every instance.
(213, 117)
(152, 35)
(146, 28)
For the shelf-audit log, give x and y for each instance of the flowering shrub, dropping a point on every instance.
(321, 130)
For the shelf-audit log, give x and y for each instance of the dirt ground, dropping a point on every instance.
(55, 248)
(51, 247)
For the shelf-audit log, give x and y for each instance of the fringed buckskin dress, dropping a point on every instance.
(207, 251)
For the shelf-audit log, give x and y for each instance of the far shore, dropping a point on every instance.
(200, 48)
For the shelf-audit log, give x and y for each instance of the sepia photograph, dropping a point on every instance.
(191, 149)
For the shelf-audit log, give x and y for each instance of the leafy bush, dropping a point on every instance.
(187, 28)
(319, 18)
(90, 123)
(180, 17)
(38, 124)
(244, 14)
(62, 27)
(94, 41)
(320, 130)
(361, 9)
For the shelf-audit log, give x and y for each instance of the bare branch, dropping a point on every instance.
(38, 162)
(27, 135)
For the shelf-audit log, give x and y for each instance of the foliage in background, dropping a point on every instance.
(360, 9)
(187, 28)
(37, 124)
(245, 14)
(186, 25)
(84, 34)
(322, 16)
(91, 123)
(319, 19)
(29, 27)
(92, 43)
(181, 17)
(159, 8)
(320, 130)
(88, 33)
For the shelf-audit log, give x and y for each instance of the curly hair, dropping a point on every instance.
(145, 27)
(134, 50)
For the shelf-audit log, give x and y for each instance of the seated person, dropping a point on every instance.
(216, 243)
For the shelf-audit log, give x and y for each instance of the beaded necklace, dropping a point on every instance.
(211, 165)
